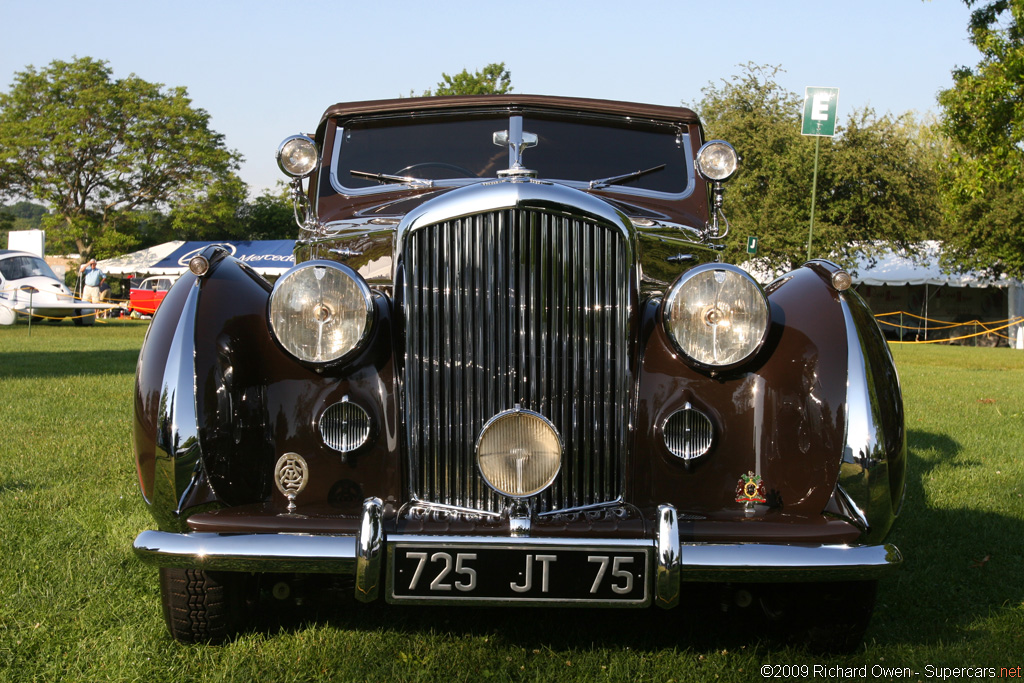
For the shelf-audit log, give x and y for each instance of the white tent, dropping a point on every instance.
(141, 262)
(1000, 304)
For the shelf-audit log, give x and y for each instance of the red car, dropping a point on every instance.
(147, 296)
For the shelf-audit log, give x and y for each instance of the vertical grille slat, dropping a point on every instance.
(516, 307)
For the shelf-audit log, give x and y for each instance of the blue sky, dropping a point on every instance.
(265, 70)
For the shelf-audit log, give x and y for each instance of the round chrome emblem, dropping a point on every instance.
(290, 475)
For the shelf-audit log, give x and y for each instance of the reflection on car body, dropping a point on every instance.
(510, 367)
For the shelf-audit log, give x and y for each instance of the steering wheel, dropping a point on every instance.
(436, 164)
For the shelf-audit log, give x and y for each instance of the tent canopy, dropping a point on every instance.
(138, 262)
(267, 257)
(897, 269)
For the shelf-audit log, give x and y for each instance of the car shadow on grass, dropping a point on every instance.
(30, 364)
(962, 564)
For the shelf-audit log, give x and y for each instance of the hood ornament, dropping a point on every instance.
(517, 141)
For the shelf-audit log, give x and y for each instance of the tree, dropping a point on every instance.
(770, 196)
(269, 216)
(96, 149)
(984, 115)
(877, 186)
(493, 79)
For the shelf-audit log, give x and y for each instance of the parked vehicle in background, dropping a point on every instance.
(146, 298)
(510, 368)
(29, 286)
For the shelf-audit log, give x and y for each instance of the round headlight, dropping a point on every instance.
(716, 315)
(297, 156)
(320, 311)
(717, 160)
(519, 453)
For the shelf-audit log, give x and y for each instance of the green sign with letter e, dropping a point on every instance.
(820, 106)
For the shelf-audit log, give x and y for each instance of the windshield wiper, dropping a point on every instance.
(388, 178)
(625, 177)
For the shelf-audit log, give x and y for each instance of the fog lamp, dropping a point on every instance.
(717, 160)
(297, 156)
(519, 453)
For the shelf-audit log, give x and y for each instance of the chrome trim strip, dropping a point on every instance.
(666, 586)
(864, 472)
(248, 552)
(178, 452)
(776, 562)
(369, 544)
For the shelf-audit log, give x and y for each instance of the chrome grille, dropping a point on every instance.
(516, 307)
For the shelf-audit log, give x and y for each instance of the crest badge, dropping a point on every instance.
(290, 475)
(750, 489)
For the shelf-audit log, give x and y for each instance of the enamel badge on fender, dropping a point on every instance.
(750, 489)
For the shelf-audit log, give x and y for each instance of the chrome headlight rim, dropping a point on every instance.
(711, 166)
(670, 305)
(368, 309)
(289, 167)
(504, 415)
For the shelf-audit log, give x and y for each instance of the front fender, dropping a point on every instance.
(817, 414)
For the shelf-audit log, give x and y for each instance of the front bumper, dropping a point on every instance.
(362, 555)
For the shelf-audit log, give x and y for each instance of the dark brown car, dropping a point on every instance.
(511, 369)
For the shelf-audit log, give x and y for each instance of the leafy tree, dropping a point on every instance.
(984, 115)
(881, 188)
(877, 185)
(95, 149)
(493, 79)
(770, 196)
(269, 216)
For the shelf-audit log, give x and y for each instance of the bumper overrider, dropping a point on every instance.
(446, 569)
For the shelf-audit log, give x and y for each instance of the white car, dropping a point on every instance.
(29, 286)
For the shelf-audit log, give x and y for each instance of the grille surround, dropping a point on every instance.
(532, 304)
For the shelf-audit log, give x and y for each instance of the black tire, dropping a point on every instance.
(201, 606)
(824, 617)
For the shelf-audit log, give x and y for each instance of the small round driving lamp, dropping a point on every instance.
(519, 453)
(297, 156)
(717, 316)
(320, 311)
(717, 160)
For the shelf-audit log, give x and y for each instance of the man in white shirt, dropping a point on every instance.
(93, 278)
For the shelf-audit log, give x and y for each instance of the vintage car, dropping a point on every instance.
(510, 368)
(29, 287)
(150, 293)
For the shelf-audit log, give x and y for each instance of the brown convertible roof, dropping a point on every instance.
(577, 104)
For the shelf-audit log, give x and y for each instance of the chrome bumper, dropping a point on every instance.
(362, 555)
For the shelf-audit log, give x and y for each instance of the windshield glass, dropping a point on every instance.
(18, 267)
(574, 151)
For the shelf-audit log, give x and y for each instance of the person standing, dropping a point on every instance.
(93, 278)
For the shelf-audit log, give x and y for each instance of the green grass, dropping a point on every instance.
(76, 605)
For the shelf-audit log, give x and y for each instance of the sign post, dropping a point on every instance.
(819, 120)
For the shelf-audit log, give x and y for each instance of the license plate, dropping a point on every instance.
(521, 574)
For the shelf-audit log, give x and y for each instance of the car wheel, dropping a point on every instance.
(824, 617)
(201, 606)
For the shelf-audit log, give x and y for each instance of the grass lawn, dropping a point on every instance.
(75, 604)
